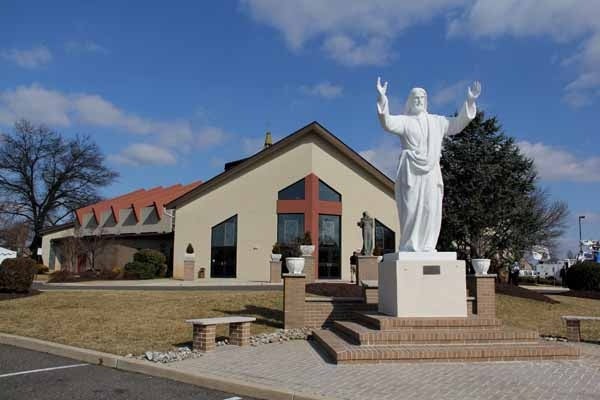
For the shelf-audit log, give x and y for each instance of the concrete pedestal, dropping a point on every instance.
(413, 285)
(189, 269)
(367, 268)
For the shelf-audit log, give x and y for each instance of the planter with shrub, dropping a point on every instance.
(276, 252)
(306, 245)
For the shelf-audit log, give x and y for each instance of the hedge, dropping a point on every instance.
(154, 258)
(584, 276)
(16, 274)
(139, 270)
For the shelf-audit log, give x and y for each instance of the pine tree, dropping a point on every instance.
(492, 206)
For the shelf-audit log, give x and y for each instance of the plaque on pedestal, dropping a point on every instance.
(422, 284)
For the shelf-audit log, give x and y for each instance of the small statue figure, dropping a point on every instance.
(366, 224)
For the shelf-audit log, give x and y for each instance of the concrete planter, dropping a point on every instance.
(481, 265)
(295, 265)
(275, 257)
(307, 250)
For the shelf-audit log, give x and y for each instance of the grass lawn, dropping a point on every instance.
(122, 322)
(545, 317)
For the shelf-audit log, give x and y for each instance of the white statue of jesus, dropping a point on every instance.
(419, 188)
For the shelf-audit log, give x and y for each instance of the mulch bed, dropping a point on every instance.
(333, 289)
(11, 296)
(517, 291)
(586, 294)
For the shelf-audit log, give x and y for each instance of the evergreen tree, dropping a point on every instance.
(492, 206)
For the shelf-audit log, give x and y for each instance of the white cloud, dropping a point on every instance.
(42, 105)
(86, 46)
(210, 136)
(352, 32)
(450, 94)
(36, 104)
(565, 21)
(141, 154)
(384, 156)
(325, 89)
(554, 164)
(28, 58)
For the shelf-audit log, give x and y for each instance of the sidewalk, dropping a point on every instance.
(546, 289)
(299, 366)
(163, 283)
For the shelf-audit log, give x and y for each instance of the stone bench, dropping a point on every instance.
(205, 329)
(573, 326)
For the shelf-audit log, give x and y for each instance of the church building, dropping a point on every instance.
(309, 181)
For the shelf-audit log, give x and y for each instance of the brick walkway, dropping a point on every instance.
(300, 366)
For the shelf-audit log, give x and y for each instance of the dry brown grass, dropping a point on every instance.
(545, 317)
(122, 322)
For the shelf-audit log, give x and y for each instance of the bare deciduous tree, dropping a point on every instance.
(44, 176)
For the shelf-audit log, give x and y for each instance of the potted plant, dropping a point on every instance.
(306, 246)
(294, 261)
(189, 252)
(276, 252)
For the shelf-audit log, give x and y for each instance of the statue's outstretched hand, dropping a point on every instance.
(474, 91)
(382, 89)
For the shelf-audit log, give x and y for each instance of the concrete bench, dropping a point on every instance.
(205, 331)
(573, 326)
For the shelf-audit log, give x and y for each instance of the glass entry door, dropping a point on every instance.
(223, 258)
(330, 250)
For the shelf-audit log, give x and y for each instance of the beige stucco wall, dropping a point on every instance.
(253, 197)
(360, 192)
(50, 258)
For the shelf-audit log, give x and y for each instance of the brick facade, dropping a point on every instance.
(204, 337)
(309, 268)
(275, 272)
(483, 288)
(321, 312)
(294, 292)
(239, 333)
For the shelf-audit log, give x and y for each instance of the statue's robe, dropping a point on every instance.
(419, 188)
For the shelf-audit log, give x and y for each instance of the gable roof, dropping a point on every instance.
(314, 128)
(157, 197)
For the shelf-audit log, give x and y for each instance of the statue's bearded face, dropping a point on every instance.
(417, 101)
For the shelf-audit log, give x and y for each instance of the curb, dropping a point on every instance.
(213, 382)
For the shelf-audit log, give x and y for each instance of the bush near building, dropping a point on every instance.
(16, 274)
(584, 276)
(146, 264)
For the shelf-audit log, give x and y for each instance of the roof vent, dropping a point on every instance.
(268, 140)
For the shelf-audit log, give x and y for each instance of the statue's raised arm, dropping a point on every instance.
(467, 111)
(391, 123)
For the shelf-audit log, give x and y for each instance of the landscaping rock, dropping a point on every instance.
(177, 354)
(280, 336)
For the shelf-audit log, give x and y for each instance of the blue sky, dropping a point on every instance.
(171, 93)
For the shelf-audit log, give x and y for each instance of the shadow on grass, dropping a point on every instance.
(12, 296)
(264, 316)
(517, 291)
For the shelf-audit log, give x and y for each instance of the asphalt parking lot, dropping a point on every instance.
(27, 375)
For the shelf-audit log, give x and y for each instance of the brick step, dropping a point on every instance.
(342, 352)
(385, 322)
(363, 335)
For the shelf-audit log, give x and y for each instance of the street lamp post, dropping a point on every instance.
(580, 244)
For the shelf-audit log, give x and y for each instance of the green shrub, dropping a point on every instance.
(109, 274)
(16, 274)
(42, 269)
(139, 270)
(154, 258)
(584, 276)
